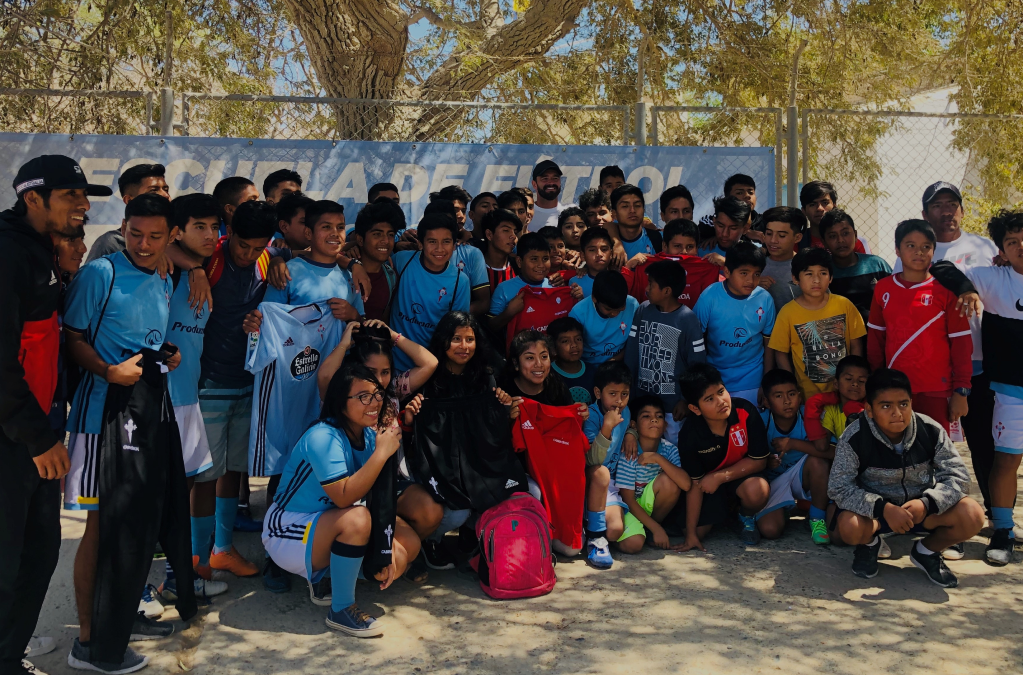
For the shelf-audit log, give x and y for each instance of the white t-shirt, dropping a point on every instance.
(969, 250)
(543, 217)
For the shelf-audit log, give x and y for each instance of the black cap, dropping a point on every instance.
(546, 165)
(55, 172)
(933, 191)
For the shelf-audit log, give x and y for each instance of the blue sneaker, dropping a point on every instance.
(749, 534)
(245, 523)
(599, 554)
(354, 621)
(275, 579)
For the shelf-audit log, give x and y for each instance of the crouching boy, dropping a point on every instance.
(897, 471)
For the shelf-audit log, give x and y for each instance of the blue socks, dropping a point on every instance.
(227, 511)
(817, 514)
(1001, 518)
(345, 562)
(202, 532)
(596, 524)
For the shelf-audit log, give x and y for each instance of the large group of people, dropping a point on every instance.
(719, 374)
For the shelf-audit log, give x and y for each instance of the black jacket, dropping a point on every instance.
(29, 336)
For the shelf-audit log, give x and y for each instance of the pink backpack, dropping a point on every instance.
(515, 559)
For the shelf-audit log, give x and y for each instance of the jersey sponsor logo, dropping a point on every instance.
(195, 330)
(510, 484)
(709, 450)
(305, 364)
(528, 426)
(760, 314)
(738, 436)
(529, 309)
(289, 342)
(742, 338)
(441, 293)
(129, 429)
(560, 441)
(999, 427)
(417, 308)
(611, 348)
(154, 338)
(558, 299)
(622, 327)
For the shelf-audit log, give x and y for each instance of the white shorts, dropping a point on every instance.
(288, 540)
(614, 498)
(1007, 424)
(81, 486)
(786, 489)
(195, 449)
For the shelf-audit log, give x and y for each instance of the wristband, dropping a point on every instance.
(352, 263)
(397, 336)
(963, 391)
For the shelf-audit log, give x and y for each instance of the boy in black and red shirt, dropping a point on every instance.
(722, 446)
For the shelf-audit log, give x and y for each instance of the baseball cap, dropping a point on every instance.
(55, 172)
(545, 165)
(933, 191)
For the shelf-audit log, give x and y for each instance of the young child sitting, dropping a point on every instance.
(606, 317)
(723, 447)
(605, 429)
(567, 335)
(898, 471)
(796, 470)
(828, 414)
(650, 485)
(597, 246)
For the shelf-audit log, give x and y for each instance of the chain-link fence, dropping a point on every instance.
(881, 162)
(704, 126)
(420, 121)
(63, 111)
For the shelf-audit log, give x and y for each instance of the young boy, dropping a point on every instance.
(915, 327)
(731, 221)
(516, 202)
(596, 205)
(567, 335)
(429, 285)
(827, 414)
(611, 178)
(817, 198)
(533, 256)
(527, 194)
(597, 246)
(606, 317)
(783, 230)
(628, 204)
(572, 224)
(898, 471)
(560, 272)
(856, 274)
(665, 341)
(500, 229)
(605, 429)
(678, 245)
(817, 329)
(650, 485)
(677, 203)
(737, 316)
(796, 470)
(480, 206)
(1002, 334)
(291, 222)
(723, 446)
(375, 227)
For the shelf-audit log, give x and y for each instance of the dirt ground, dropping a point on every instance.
(784, 605)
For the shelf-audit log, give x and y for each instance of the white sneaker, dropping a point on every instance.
(564, 549)
(39, 645)
(209, 588)
(885, 552)
(27, 667)
(149, 604)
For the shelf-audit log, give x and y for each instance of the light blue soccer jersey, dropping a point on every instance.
(506, 292)
(640, 244)
(422, 298)
(323, 455)
(285, 356)
(120, 309)
(185, 330)
(592, 425)
(632, 475)
(470, 261)
(790, 458)
(603, 338)
(735, 329)
(315, 282)
(584, 282)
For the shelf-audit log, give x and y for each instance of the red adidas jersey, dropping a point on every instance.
(699, 275)
(917, 329)
(541, 306)
(498, 275)
(555, 446)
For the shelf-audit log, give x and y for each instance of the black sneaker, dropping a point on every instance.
(80, 659)
(275, 579)
(147, 629)
(999, 550)
(865, 559)
(437, 556)
(934, 567)
(954, 552)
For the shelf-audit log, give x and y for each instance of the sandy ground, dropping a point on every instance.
(784, 605)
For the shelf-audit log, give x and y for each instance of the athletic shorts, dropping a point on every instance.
(632, 524)
(1007, 424)
(614, 498)
(195, 449)
(719, 507)
(227, 413)
(81, 486)
(786, 489)
(288, 540)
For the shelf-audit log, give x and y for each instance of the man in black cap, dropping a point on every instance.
(52, 198)
(547, 184)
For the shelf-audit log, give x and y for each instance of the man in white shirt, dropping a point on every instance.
(943, 209)
(547, 185)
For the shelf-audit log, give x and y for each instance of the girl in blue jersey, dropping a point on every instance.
(316, 522)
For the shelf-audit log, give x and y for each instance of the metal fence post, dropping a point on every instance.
(640, 122)
(792, 174)
(626, 127)
(805, 135)
(166, 111)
